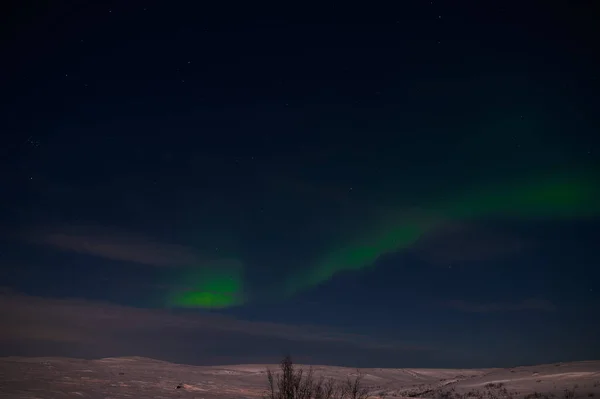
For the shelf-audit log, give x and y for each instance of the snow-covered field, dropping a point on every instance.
(139, 378)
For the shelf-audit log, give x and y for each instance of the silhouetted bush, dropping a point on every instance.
(295, 383)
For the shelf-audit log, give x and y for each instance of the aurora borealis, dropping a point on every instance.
(549, 197)
(542, 198)
(216, 287)
(403, 187)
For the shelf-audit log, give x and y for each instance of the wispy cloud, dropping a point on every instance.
(540, 305)
(460, 242)
(120, 245)
(69, 327)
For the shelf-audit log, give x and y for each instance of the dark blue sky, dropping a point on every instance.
(412, 186)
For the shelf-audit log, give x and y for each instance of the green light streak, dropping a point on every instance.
(551, 197)
(210, 288)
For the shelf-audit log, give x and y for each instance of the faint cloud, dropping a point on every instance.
(464, 243)
(72, 327)
(115, 244)
(494, 307)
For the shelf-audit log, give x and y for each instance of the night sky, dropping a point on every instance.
(415, 186)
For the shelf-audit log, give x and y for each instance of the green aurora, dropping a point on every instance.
(550, 197)
(547, 198)
(210, 286)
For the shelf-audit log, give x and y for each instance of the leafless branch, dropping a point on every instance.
(291, 383)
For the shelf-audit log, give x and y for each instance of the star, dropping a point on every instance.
(33, 142)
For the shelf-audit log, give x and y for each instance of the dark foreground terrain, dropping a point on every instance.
(140, 378)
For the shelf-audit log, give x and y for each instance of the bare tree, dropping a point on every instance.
(291, 383)
(326, 389)
(354, 388)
